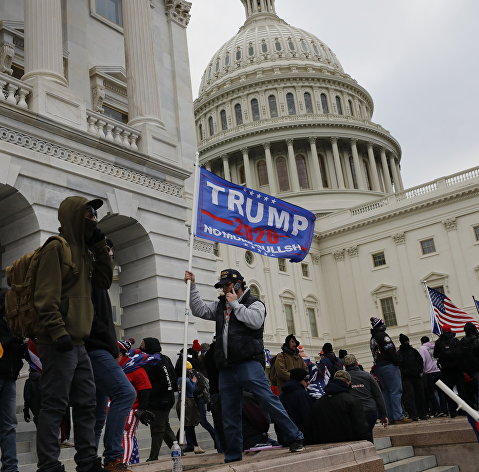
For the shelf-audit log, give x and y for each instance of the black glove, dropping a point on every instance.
(26, 415)
(146, 417)
(96, 236)
(63, 343)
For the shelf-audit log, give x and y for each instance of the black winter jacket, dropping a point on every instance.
(339, 415)
(299, 406)
(382, 347)
(163, 379)
(447, 352)
(211, 368)
(102, 334)
(11, 361)
(410, 362)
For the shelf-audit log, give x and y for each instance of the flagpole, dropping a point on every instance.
(187, 300)
(431, 307)
(475, 303)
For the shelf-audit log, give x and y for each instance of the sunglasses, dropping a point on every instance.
(91, 212)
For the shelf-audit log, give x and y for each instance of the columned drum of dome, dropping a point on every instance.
(277, 84)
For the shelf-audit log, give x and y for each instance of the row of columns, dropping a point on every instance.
(386, 163)
(44, 53)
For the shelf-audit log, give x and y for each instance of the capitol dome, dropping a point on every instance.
(276, 112)
(265, 39)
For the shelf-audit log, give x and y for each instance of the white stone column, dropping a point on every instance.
(357, 165)
(208, 166)
(373, 168)
(337, 163)
(318, 179)
(386, 175)
(226, 168)
(293, 171)
(398, 170)
(392, 163)
(247, 167)
(43, 40)
(142, 82)
(273, 189)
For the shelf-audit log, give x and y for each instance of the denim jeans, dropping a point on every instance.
(67, 378)
(250, 376)
(8, 423)
(111, 384)
(200, 403)
(215, 405)
(390, 378)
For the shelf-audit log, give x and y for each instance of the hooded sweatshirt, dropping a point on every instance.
(286, 360)
(62, 294)
(430, 364)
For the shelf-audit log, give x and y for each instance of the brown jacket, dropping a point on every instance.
(63, 293)
(285, 361)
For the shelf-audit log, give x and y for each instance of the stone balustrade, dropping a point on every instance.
(14, 91)
(281, 120)
(111, 130)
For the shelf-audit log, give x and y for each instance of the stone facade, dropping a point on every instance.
(80, 119)
(277, 112)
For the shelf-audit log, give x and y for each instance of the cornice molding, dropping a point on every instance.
(93, 163)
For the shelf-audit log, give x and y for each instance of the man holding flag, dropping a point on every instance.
(240, 358)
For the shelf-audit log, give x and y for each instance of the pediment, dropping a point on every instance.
(434, 276)
(383, 288)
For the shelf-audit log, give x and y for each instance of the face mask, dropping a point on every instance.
(90, 227)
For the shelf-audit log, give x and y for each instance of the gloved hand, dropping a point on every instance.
(26, 415)
(96, 236)
(146, 417)
(63, 343)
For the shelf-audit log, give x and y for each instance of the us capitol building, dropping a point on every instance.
(96, 101)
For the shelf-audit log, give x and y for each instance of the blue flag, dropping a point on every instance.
(240, 216)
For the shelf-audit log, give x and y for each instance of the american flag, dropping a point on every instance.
(446, 313)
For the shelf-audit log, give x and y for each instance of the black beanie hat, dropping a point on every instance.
(470, 328)
(342, 353)
(403, 339)
(327, 347)
(298, 374)
(289, 337)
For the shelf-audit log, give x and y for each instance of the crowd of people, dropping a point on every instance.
(77, 362)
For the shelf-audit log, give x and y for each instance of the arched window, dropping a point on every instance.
(273, 107)
(291, 44)
(351, 109)
(238, 54)
(308, 103)
(217, 68)
(224, 122)
(200, 129)
(255, 109)
(254, 290)
(339, 106)
(211, 126)
(353, 172)
(290, 103)
(264, 47)
(238, 114)
(250, 50)
(277, 45)
(262, 173)
(324, 103)
(324, 172)
(315, 48)
(302, 172)
(227, 59)
(360, 110)
(282, 171)
(242, 175)
(304, 46)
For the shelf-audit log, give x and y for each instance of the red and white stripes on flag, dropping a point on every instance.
(447, 313)
(129, 431)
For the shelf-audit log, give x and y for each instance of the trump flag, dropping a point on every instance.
(232, 214)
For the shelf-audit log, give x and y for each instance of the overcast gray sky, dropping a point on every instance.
(419, 60)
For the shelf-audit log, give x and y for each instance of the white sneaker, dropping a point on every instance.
(67, 443)
(198, 450)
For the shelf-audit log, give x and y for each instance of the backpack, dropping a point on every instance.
(273, 375)
(202, 387)
(21, 315)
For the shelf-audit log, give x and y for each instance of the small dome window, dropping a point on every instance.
(227, 59)
(324, 103)
(339, 105)
(200, 128)
(262, 173)
(273, 107)
(308, 102)
(238, 114)
(315, 49)
(304, 46)
(291, 44)
(209, 71)
(224, 122)
(238, 54)
(264, 46)
(211, 126)
(291, 104)
(250, 50)
(255, 109)
(249, 258)
(351, 108)
(277, 44)
(217, 67)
